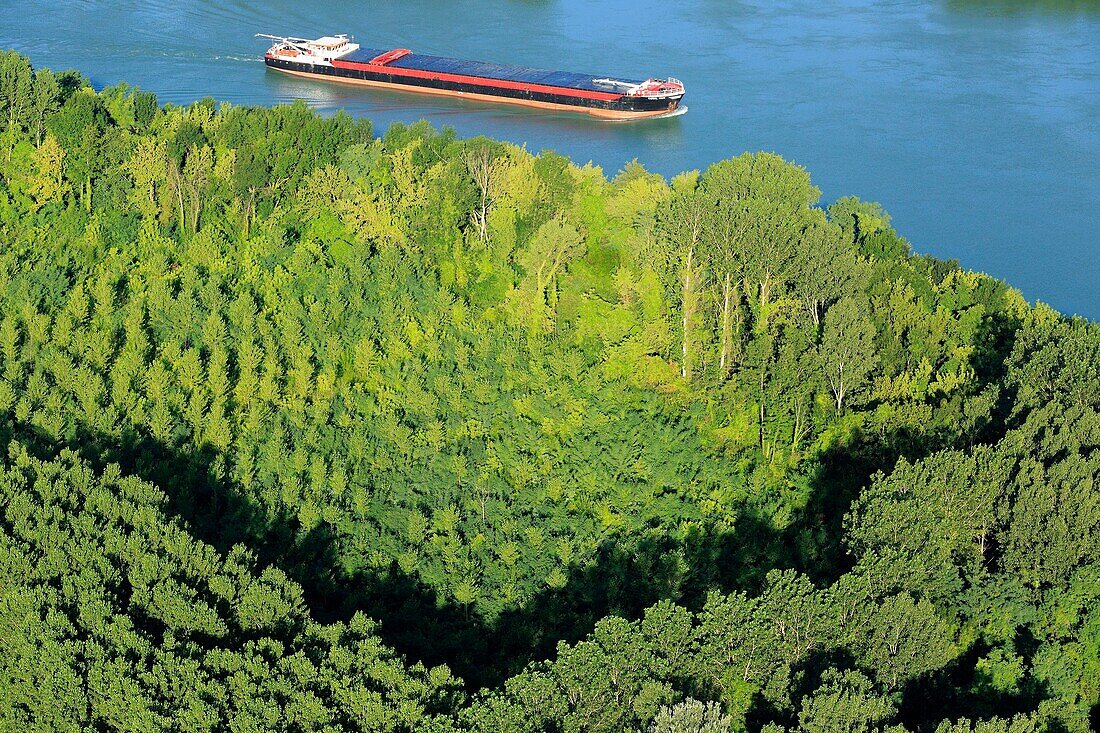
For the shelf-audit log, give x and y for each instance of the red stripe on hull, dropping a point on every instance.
(478, 80)
(605, 113)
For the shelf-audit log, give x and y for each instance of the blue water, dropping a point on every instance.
(975, 123)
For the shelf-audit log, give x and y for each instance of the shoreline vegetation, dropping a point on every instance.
(306, 428)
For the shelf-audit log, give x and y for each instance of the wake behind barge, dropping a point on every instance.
(338, 59)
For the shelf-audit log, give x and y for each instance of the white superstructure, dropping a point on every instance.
(311, 51)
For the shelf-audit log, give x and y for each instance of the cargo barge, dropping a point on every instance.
(337, 58)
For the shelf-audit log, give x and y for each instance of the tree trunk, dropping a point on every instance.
(179, 194)
(814, 307)
(838, 389)
(688, 306)
(727, 329)
(763, 379)
(484, 215)
(765, 298)
(11, 130)
(799, 430)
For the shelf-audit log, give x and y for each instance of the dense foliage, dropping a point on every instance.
(621, 454)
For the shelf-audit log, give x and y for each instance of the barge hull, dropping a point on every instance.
(597, 103)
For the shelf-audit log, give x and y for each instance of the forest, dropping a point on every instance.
(311, 427)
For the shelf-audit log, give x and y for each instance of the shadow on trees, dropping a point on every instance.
(963, 690)
(629, 574)
(842, 471)
(626, 575)
(815, 540)
(806, 677)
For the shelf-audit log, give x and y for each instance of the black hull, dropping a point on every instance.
(621, 107)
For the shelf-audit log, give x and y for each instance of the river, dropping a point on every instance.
(976, 123)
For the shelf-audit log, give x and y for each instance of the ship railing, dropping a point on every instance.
(293, 39)
(284, 39)
(613, 83)
(304, 45)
